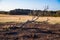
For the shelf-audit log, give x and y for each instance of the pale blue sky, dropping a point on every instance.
(7, 5)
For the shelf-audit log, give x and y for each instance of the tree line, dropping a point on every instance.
(32, 12)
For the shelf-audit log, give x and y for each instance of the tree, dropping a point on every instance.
(45, 11)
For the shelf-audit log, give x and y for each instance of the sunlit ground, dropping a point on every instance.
(24, 18)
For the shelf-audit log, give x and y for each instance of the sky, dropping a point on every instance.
(6, 5)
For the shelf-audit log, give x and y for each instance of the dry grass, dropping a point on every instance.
(24, 18)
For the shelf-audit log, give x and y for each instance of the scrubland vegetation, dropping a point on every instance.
(30, 31)
(29, 25)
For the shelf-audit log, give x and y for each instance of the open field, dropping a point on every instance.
(24, 18)
(29, 30)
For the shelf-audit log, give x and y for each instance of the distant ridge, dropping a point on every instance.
(32, 12)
